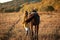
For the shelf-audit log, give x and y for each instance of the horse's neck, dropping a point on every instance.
(25, 17)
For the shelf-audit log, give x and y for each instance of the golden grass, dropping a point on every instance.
(48, 28)
(41, 6)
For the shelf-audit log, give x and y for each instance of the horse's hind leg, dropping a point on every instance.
(36, 32)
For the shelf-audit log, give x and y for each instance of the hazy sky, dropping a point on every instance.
(3, 1)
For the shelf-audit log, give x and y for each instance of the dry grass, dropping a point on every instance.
(10, 29)
(42, 6)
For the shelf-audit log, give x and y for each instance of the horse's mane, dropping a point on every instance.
(30, 18)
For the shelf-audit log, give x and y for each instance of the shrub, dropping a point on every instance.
(50, 8)
(17, 9)
(9, 10)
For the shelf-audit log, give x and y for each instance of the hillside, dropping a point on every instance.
(44, 5)
(13, 5)
(10, 6)
(40, 5)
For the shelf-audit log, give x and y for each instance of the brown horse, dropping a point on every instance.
(34, 20)
(26, 25)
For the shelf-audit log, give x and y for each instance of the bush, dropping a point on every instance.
(50, 8)
(17, 9)
(9, 10)
(13, 9)
(47, 8)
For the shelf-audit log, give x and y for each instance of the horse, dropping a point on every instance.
(34, 20)
(26, 25)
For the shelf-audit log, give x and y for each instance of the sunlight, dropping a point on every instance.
(3, 1)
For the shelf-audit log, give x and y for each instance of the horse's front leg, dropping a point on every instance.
(31, 28)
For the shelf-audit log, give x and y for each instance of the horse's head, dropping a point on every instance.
(26, 13)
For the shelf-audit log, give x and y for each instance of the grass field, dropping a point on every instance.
(11, 27)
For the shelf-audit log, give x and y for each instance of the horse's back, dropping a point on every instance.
(36, 19)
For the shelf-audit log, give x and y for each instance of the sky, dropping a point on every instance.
(3, 1)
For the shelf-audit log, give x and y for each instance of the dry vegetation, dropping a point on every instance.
(44, 5)
(13, 6)
(11, 27)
